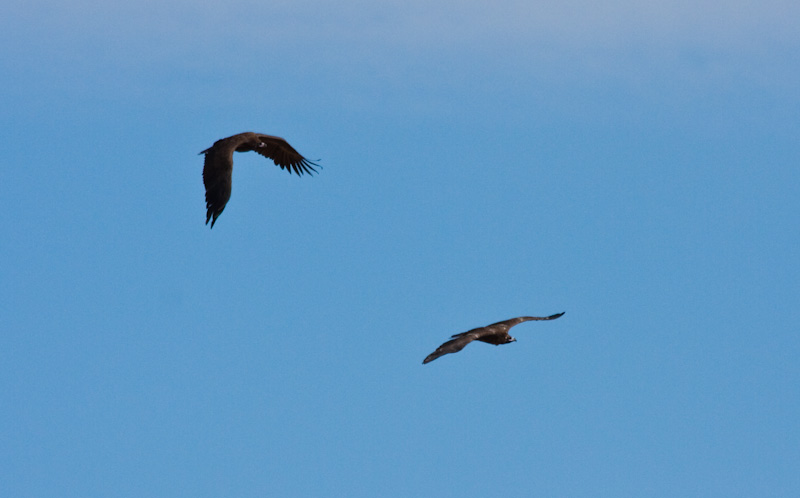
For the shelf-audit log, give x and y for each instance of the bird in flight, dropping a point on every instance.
(496, 333)
(218, 167)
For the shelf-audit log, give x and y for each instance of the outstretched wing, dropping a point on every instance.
(475, 332)
(451, 346)
(217, 177)
(516, 321)
(284, 155)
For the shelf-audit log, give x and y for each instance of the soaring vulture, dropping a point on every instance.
(218, 166)
(496, 333)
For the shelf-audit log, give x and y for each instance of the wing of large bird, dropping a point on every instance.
(452, 346)
(284, 155)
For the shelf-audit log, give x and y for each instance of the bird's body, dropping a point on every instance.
(218, 166)
(496, 333)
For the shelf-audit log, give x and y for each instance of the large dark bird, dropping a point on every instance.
(496, 333)
(218, 167)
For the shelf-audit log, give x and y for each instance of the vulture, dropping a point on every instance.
(218, 166)
(496, 333)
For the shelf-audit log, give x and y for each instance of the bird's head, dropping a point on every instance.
(510, 339)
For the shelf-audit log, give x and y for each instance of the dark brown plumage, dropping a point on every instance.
(218, 167)
(496, 333)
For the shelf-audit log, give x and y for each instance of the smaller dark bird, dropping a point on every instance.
(218, 166)
(496, 333)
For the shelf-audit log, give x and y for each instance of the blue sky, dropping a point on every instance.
(633, 165)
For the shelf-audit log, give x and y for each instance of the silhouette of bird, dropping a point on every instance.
(218, 167)
(496, 333)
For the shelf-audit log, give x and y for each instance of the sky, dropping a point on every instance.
(633, 165)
